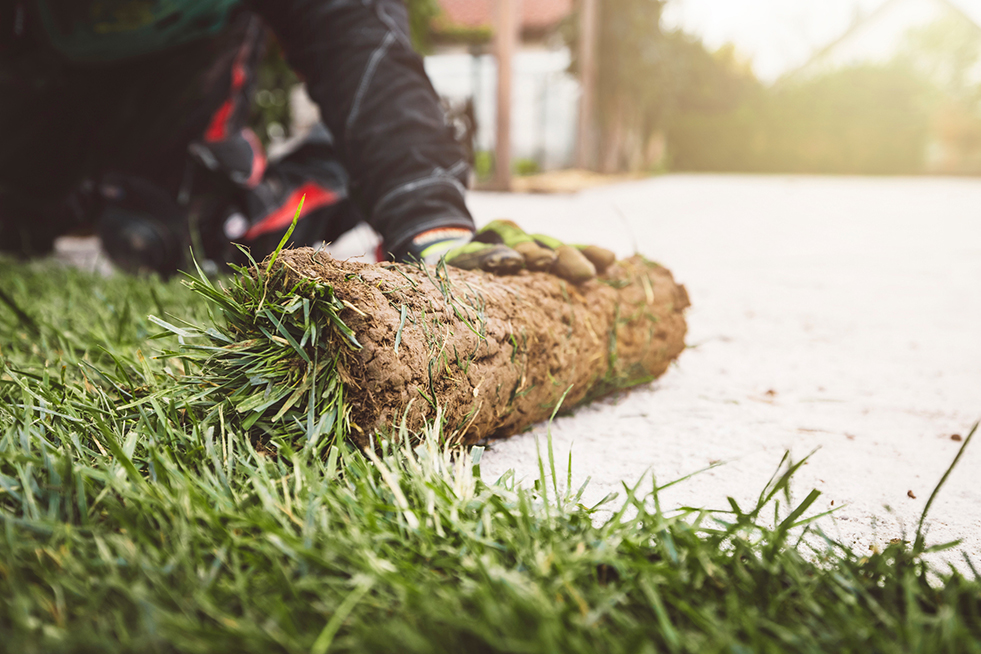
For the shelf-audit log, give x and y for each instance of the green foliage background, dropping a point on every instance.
(421, 15)
(867, 120)
(661, 86)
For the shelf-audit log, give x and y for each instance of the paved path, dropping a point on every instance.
(834, 313)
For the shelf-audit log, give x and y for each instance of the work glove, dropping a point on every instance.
(503, 248)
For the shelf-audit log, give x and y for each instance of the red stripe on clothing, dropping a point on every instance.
(259, 161)
(316, 197)
(218, 129)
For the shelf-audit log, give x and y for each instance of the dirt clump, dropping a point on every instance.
(495, 354)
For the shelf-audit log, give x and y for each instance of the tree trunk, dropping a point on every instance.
(508, 33)
(586, 127)
(495, 354)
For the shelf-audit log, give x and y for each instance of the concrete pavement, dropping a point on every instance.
(837, 314)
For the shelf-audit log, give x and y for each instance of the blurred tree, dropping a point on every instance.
(647, 76)
(634, 80)
(860, 120)
(947, 53)
(421, 15)
(663, 91)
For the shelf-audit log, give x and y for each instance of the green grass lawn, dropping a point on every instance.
(151, 502)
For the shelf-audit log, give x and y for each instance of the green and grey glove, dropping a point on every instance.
(575, 263)
(503, 248)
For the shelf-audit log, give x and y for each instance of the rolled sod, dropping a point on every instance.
(489, 355)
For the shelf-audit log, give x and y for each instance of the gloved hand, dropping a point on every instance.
(503, 248)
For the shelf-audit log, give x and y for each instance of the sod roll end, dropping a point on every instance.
(493, 355)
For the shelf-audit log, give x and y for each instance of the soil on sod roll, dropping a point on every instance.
(495, 354)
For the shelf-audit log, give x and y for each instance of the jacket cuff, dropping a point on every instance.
(393, 248)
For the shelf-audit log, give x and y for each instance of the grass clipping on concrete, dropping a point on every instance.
(369, 346)
(137, 515)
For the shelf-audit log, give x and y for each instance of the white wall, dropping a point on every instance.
(546, 98)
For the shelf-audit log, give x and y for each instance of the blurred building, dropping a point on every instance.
(537, 16)
(545, 94)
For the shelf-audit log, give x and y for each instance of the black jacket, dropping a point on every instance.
(407, 171)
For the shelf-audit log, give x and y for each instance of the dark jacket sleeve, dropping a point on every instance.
(408, 174)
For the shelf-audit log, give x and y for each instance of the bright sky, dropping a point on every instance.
(777, 35)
